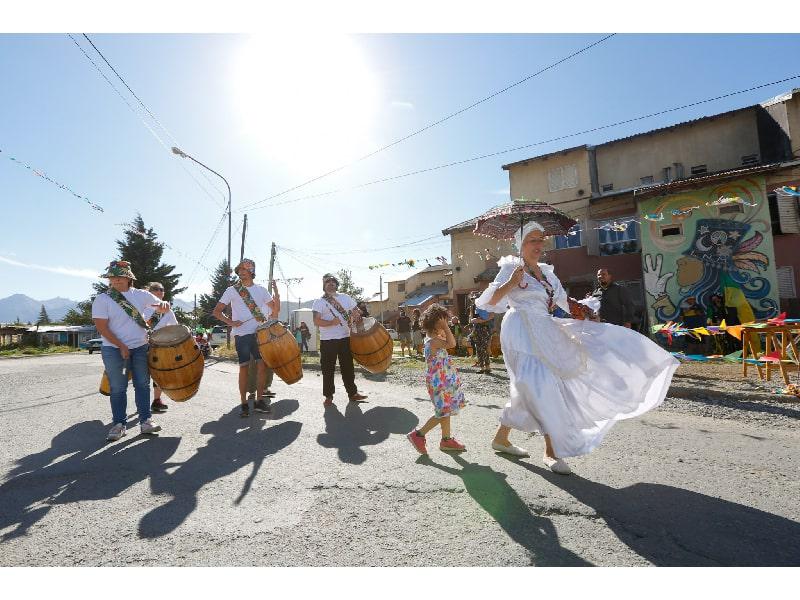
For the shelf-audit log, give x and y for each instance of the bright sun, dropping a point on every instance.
(308, 101)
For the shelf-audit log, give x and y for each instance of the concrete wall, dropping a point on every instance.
(396, 297)
(468, 256)
(719, 143)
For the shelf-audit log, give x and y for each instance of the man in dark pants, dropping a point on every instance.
(615, 304)
(333, 314)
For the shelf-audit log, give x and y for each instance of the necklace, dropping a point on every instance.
(548, 288)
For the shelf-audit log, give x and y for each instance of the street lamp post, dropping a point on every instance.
(183, 154)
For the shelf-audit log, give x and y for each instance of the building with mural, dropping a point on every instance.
(700, 242)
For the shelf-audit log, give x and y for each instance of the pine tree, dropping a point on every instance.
(44, 318)
(220, 281)
(347, 286)
(81, 314)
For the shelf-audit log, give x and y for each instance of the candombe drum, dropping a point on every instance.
(371, 345)
(105, 384)
(176, 363)
(279, 350)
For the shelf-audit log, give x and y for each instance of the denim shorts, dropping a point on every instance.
(246, 347)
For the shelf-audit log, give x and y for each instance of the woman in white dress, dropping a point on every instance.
(570, 379)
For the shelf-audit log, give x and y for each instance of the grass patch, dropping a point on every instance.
(34, 351)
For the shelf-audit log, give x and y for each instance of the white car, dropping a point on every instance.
(218, 336)
(392, 334)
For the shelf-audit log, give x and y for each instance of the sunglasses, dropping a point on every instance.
(156, 289)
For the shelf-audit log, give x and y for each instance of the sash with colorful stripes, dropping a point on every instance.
(249, 302)
(334, 303)
(129, 308)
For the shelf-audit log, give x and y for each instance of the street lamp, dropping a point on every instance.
(182, 154)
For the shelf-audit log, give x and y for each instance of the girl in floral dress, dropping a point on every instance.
(444, 383)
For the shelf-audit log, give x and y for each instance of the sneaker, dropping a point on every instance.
(158, 406)
(510, 449)
(418, 441)
(244, 410)
(251, 396)
(357, 397)
(117, 431)
(261, 406)
(557, 465)
(269, 394)
(149, 427)
(451, 445)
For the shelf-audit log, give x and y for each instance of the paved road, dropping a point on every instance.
(343, 487)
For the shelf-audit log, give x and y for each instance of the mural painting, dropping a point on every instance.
(715, 240)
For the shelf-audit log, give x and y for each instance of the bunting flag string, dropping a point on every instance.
(723, 200)
(684, 211)
(410, 262)
(788, 190)
(619, 226)
(675, 329)
(131, 228)
(43, 175)
(653, 216)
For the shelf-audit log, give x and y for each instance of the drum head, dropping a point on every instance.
(267, 324)
(367, 323)
(169, 335)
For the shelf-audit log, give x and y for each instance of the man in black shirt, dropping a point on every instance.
(404, 332)
(615, 304)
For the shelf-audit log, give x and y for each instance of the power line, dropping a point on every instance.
(435, 123)
(207, 248)
(134, 111)
(516, 148)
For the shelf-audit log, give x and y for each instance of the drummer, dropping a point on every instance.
(157, 321)
(118, 316)
(333, 314)
(251, 305)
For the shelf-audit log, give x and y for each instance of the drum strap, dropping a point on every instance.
(334, 304)
(249, 302)
(129, 308)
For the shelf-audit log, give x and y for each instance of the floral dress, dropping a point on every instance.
(444, 382)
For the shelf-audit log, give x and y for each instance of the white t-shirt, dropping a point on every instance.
(167, 319)
(327, 312)
(121, 325)
(240, 312)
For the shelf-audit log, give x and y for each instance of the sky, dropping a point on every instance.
(270, 112)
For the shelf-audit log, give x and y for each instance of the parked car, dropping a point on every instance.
(392, 334)
(93, 344)
(218, 336)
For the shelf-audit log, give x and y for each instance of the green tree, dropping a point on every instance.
(81, 314)
(220, 281)
(347, 286)
(44, 318)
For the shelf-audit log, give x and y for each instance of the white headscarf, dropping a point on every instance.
(523, 231)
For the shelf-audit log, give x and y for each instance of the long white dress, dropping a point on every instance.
(571, 379)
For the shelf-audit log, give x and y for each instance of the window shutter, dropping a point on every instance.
(786, 287)
(570, 177)
(555, 181)
(788, 214)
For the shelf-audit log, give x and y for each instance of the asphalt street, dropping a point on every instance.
(306, 486)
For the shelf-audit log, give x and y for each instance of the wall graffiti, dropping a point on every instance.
(705, 245)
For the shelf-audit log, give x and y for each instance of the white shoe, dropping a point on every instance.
(510, 449)
(149, 427)
(117, 431)
(557, 465)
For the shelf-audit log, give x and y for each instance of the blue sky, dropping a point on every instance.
(271, 114)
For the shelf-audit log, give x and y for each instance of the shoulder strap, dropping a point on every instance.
(244, 294)
(129, 308)
(334, 304)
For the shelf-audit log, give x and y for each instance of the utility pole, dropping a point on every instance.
(381, 288)
(195, 313)
(244, 234)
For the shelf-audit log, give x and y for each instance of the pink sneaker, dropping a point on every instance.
(418, 441)
(451, 445)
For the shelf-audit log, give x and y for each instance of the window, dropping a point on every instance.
(562, 178)
(774, 213)
(669, 230)
(666, 174)
(786, 288)
(618, 242)
(750, 160)
(699, 169)
(608, 187)
(569, 241)
(727, 209)
(646, 180)
(401, 287)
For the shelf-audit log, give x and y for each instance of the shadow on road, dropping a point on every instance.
(349, 431)
(235, 443)
(491, 491)
(671, 526)
(79, 465)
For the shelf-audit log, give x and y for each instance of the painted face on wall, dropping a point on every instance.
(690, 270)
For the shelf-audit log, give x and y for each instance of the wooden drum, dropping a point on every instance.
(176, 363)
(279, 350)
(371, 346)
(105, 384)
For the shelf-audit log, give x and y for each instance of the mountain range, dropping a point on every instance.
(26, 309)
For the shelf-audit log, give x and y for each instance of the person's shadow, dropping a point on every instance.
(235, 443)
(79, 465)
(491, 491)
(671, 526)
(350, 431)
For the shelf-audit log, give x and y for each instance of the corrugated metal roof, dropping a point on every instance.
(422, 295)
(463, 226)
(545, 156)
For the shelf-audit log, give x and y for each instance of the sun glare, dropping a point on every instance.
(308, 101)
